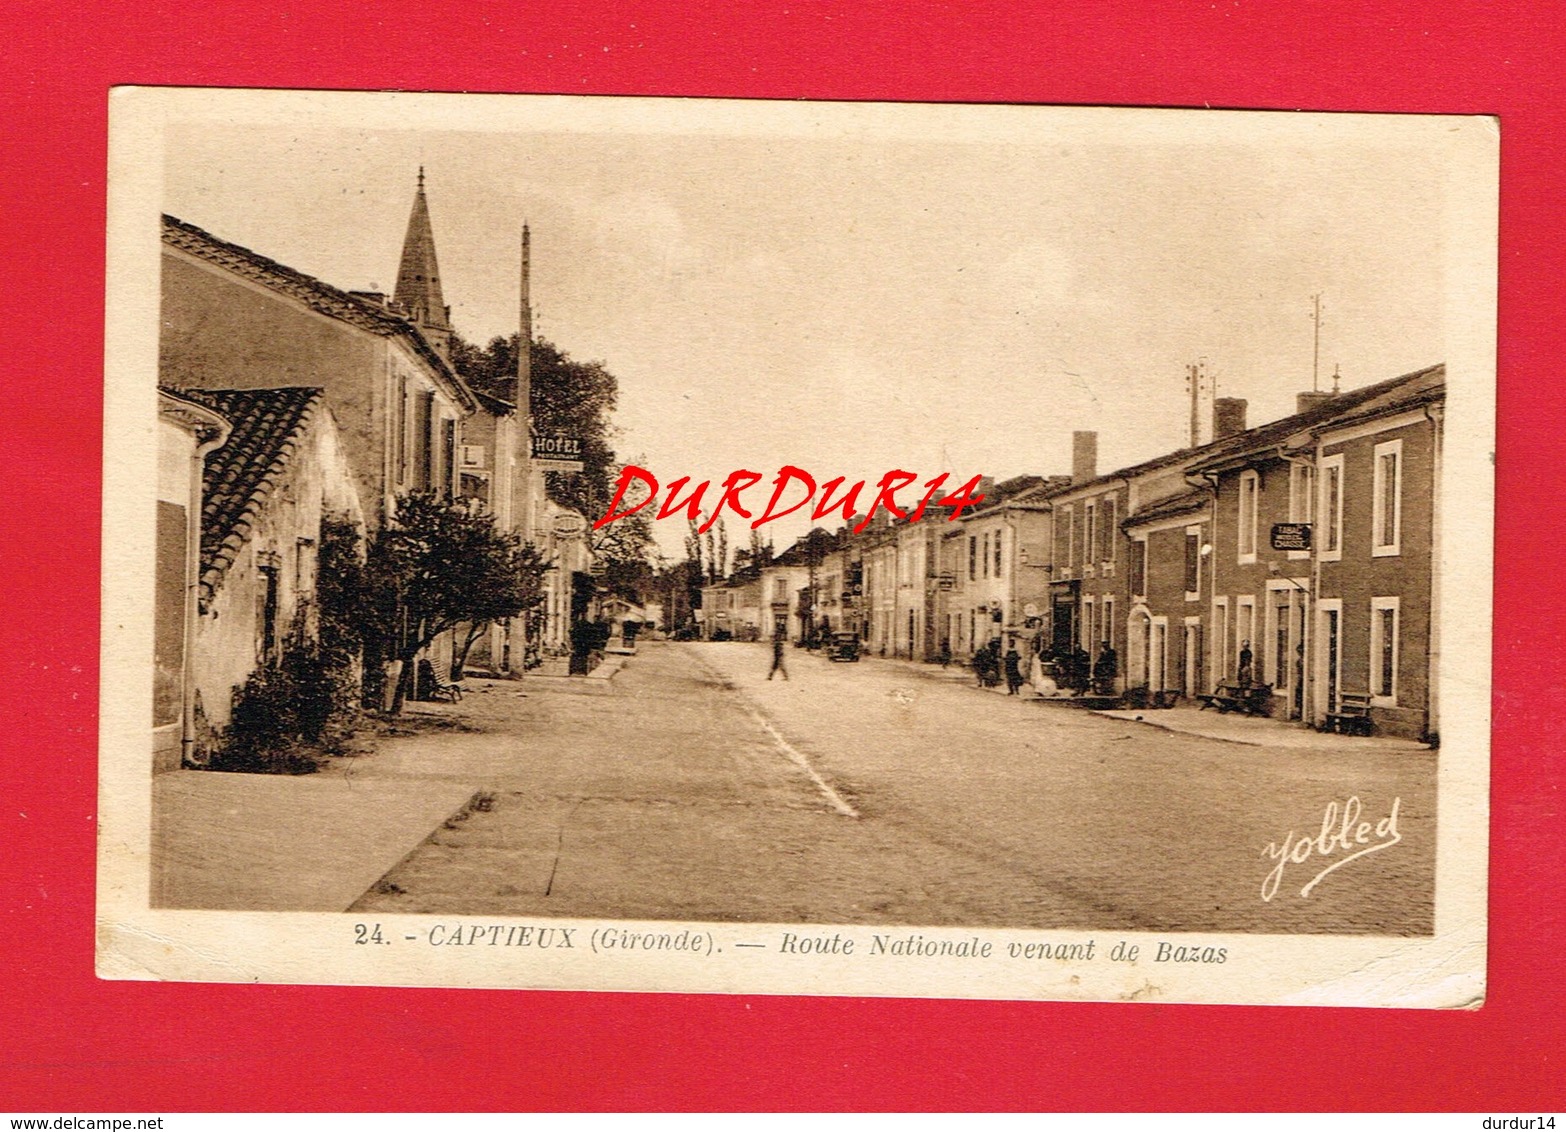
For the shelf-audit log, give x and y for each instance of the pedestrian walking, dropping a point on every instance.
(1013, 670)
(778, 644)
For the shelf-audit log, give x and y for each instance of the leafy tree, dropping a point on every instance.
(437, 564)
(569, 398)
(572, 398)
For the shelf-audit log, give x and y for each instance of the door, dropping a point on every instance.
(1330, 665)
(1157, 635)
(1193, 659)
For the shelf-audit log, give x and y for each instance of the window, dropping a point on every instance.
(1387, 516)
(986, 555)
(1089, 629)
(1106, 625)
(1069, 558)
(973, 557)
(267, 643)
(1193, 563)
(1330, 537)
(401, 429)
(1089, 533)
(1249, 489)
(448, 456)
(425, 439)
(1302, 500)
(1106, 526)
(1139, 567)
(1384, 617)
(997, 554)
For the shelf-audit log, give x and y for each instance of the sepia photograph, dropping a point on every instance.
(813, 548)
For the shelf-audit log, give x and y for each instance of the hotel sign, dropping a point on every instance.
(1291, 536)
(557, 453)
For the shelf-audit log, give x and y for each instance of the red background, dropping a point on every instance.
(69, 1042)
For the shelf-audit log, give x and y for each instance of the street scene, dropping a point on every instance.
(883, 794)
(966, 578)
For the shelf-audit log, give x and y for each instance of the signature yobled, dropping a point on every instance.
(1344, 837)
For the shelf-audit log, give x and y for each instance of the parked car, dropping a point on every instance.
(843, 646)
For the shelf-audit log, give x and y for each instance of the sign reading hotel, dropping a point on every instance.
(557, 453)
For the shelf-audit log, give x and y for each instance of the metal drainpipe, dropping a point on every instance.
(187, 722)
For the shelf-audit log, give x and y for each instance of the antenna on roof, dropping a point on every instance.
(1315, 360)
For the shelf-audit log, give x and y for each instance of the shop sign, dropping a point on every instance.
(1291, 536)
(570, 525)
(556, 453)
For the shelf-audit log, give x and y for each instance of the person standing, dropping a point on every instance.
(1105, 669)
(1013, 670)
(1246, 671)
(778, 644)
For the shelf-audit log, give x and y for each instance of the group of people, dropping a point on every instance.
(1071, 669)
(989, 666)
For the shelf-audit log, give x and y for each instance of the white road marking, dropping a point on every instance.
(799, 760)
(795, 756)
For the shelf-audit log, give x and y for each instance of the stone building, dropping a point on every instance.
(268, 490)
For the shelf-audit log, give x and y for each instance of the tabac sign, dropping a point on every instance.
(1291, 536)
(557, 453)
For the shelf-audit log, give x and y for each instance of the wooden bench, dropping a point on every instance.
(1352, 714)
(1252, 699)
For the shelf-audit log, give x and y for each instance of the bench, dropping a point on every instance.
(436, 682)
(1252, 699)
(1352, 714)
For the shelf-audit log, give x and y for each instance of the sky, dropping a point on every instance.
(856, 289)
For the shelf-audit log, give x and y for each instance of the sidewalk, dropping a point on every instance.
(1258, 731)
(287, 843)
(317, 842)
(1254, 731)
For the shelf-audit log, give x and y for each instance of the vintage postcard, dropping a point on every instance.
(1001, 552)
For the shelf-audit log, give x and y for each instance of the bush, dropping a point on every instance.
(286, 716)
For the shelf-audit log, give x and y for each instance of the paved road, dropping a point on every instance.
(691, 787)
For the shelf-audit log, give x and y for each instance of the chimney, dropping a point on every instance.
(1228, 416)
(987, 488)
(1084, 456)
(1304, 402)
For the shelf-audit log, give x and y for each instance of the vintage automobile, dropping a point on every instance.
(843, 646)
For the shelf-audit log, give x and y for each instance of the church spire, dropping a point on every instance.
(418, 277)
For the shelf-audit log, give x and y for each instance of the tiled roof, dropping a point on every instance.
(241, 475)
(1182, 504)
(1408, 387)
(310, 291)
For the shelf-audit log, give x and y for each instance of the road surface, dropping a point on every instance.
(693, 788)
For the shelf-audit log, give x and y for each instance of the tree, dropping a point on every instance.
(436, 564)
(569, 398)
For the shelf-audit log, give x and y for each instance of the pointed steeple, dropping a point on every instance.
(418, 277)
